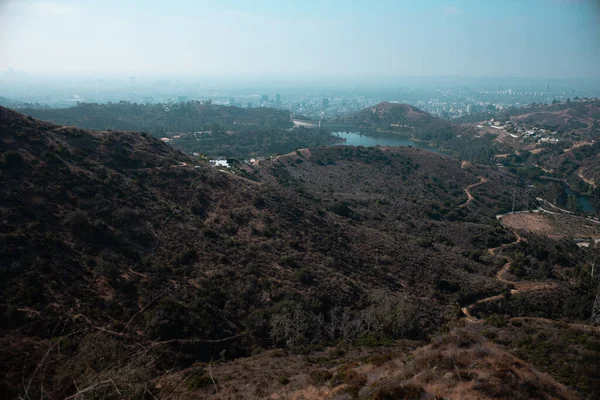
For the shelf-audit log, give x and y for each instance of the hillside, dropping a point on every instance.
(5, 102)
(580, 117)
(461, 141)
(128, 267)
(552, 146)
(195, 127)
(400, 117)
(160, 118)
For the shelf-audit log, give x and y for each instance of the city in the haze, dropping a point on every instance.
(443, 97)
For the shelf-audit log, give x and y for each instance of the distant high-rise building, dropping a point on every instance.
(325, 103)
(265, 98)
(278, 98)
(473, 108)
(231, 101)
(546, 87)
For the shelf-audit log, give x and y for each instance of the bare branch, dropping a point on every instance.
(140, 311)
(211, 377)
(201, 340)
(25, 394)
(92, 387)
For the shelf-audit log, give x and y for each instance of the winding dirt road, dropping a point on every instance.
(518, 287)
(470, 197)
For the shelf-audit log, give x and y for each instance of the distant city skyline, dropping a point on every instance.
(280, 40)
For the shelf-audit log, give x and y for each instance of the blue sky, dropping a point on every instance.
(375, 38)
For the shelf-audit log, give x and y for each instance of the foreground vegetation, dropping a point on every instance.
(128, 272)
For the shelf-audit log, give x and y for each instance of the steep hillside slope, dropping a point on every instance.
(124, 263)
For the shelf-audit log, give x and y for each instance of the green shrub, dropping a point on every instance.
(304, 276)
(197, 379)
(78, 222)
(106, 270)
(348, 376)
(168, 320)
(496, 320)
(319, 376)
(340, 208)
(395, 390)
(10, 159)
(187, 256)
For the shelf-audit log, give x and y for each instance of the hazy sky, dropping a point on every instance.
(524, 38)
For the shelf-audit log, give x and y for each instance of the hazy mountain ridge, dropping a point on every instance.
(193, 127)
(160, 118)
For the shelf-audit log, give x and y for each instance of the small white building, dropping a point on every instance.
(219, 163)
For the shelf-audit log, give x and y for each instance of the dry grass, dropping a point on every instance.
(556, 226)
(458, 365)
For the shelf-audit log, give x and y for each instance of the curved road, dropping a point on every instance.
(518, 286)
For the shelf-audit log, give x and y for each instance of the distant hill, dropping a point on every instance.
(573, 158)
(126, 264)
(395, 115)
(579, 165)
(391, 113)
(157, 119)
(404, 119)
(580, 119)
(193, 127)
(5, 102)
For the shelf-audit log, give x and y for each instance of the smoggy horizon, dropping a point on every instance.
(239, 39)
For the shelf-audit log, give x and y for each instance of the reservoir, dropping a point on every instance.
(583, 200)
(379, 139)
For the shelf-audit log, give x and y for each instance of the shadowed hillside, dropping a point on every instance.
(125, 264)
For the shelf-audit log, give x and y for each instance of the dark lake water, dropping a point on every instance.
(379, 139)
(583, 200)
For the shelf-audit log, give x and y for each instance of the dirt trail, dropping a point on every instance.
(577, 145)
(586, 180)
(470, 197)
(518, 287)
